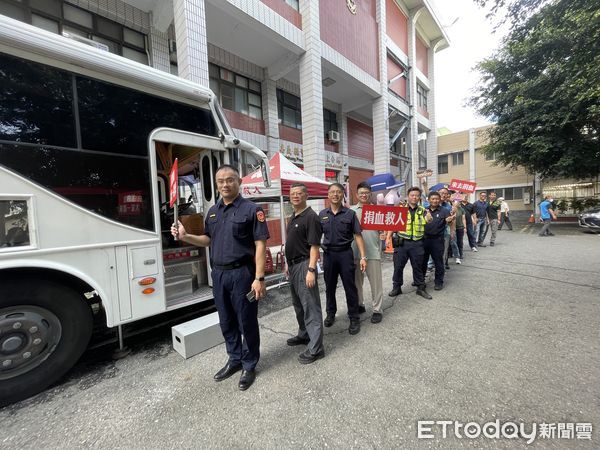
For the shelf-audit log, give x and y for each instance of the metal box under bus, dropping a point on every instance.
(196, 336)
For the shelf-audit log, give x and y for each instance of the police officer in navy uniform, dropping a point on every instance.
(340, 227)
(236, 231)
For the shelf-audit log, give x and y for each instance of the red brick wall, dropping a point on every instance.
(285, 11)
(396, 25)
(290, 134)
(398, 86)
(353, 35)
(422, 63)
(360, 139)
(244, 122)
(355, 176)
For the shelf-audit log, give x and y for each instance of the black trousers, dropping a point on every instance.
(237, 316)
(414, 251)
(434, 247)
(340, 264)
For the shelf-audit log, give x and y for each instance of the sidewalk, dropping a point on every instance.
(513, 336)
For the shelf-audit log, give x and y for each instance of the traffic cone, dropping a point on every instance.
(389, 249)
(531, 219)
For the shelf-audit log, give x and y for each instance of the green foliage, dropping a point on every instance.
(562, 205)
(542, 88)
(591, 202)
(577, 205)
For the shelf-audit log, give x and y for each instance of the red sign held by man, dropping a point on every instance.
(462, 186)
(384, 218)
(173, 182)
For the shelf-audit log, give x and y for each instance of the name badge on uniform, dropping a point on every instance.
(325, 217)
(212, 215)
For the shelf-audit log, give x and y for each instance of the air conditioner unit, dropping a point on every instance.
(333, 136)
(98, 45)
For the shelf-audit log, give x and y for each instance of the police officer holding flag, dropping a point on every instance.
(236, 231)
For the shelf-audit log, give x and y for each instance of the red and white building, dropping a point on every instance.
(343, 88)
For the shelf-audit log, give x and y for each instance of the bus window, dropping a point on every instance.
(14, 227)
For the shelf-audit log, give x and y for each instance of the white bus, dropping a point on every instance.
(87, 140)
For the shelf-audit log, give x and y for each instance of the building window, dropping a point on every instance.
(399, 146)
(421, 97)
(515, 193)
(236, 92)
(62, 18)
(288, 108)
(294, 4)
(329, 121)
(442, 164)
(490, 156)
(422, 147)
(458, 159)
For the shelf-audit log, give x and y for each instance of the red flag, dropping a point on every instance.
(173, 182)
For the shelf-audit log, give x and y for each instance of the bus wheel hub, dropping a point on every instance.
(28, 335)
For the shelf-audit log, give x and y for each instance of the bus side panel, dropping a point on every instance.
(123, 292)
(144, 263)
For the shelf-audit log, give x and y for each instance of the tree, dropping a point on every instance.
(542, 88)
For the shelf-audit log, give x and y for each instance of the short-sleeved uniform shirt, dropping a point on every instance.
(437, 227)
(545, 206)
(338, 229)
(371, 238)
(303, 230)
(233, 229)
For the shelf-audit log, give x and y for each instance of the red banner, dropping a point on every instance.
(173, 182)
(384, 218)
(462, 186)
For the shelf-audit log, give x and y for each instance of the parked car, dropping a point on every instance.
(590, 219)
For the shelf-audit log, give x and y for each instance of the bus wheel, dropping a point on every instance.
(44, 329)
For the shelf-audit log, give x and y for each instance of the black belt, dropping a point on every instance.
(338, 249)
(233, 265)
(295, 261)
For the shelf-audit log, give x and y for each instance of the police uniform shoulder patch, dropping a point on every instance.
(260, 215)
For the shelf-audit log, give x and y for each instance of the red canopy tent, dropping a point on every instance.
(283, 173)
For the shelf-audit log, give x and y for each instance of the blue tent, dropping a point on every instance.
(384, 181)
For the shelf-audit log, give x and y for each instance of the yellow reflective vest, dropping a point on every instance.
(415, 229)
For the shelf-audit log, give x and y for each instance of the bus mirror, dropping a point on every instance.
(264, 166)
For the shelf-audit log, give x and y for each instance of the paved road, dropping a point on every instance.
(514, 337)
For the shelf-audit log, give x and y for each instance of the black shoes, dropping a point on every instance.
(361, 309)
(395, 292)
(423, 293)
(296, 340)
(354, 327)
(246, 379)
(329, 320)
(376, 317)
(481, 245)
(491, 244)
(306, 357)
(438, 287)
(227, 371)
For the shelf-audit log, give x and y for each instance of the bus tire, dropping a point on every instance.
(44, 329)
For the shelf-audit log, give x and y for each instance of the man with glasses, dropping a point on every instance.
(236, 231)
(373, 252)
(340, 227)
